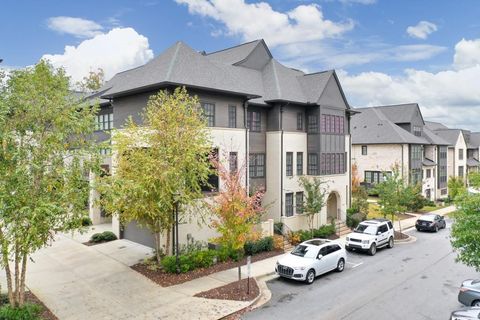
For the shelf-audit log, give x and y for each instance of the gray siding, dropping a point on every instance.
(290, 118)
(133, 106)
(332, 95)
(258, 144)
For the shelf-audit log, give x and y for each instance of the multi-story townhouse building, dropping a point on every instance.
(463, 149)
(387, 136)
(277, 121)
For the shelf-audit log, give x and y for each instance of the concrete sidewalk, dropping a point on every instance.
(80, 282)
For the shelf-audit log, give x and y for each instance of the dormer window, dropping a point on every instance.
(417, 131)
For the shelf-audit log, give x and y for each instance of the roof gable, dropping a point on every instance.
(332, 94)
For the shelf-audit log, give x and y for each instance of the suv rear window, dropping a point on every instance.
(383, 228)
(390, 225)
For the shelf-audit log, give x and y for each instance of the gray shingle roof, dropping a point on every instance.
(371, 126)
(475, 139)
(428, 163)
(449, 135)
(401, 113)
(247, 70)
(435, 125)
(472, 162)
(434, 138)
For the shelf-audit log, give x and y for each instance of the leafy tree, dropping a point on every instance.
(395, 196)
(315, 197)
(355, 178)
(235, 212)
(456, 187)
(163, 161)
(360, 200)
(45, 154)
(93, 81)
(466, 230)
(474, 179)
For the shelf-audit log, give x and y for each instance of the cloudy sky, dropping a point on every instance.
(385, 51)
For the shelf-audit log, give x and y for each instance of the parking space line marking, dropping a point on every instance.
(354, 265)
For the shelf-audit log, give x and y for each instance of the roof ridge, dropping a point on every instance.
(172, 62)
(275, 76)
(238, 45)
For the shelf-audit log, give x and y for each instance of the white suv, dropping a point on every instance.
(310, 259)
(370, 235)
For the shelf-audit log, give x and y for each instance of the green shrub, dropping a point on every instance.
(261, 245)
(109, 236)
(351, 211)
(3, 299)
(26, 312)
(324, 231)
(354, 219)
(86, 221)
(428, 203)
(222, 254)
(96, 237)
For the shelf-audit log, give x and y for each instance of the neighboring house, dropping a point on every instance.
(463, 149)
(387, 136)
(281, 122)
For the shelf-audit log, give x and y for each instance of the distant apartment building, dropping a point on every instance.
(388, 136)
(463, 150)
(280, 122)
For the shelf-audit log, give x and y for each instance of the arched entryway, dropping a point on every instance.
(333, 202)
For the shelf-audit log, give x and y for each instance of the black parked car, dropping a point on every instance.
(430, 222)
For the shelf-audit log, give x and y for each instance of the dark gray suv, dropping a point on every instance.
(469, 294)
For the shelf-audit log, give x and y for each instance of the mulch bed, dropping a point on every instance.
(233, 291)
(169, 279)
(46, 314)
(400, 236)
(90, 243)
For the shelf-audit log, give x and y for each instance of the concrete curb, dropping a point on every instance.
(261, 285)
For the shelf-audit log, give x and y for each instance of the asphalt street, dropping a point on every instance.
(418, 280)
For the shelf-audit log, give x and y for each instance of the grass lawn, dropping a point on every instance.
(431, 208)
(374, 212)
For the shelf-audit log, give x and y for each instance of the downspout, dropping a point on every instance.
(247, 156)
(281, 160)
(403, 168)
(349, 163)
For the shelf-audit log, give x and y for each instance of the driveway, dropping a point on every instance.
(80, 282)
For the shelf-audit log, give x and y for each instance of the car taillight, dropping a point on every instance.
(463, 289)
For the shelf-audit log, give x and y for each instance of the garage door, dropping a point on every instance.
(138, 234)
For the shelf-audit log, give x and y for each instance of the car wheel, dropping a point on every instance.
(373, 249)
(436, 228)
(390, 243)
(310, 276)
(340, 265)
(476, 303)
(418, 229)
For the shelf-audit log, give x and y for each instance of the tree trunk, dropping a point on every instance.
(17, 275)
(8, 272)
(21, 301)
(157, 246)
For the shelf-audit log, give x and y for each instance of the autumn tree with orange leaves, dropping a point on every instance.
(235, 212)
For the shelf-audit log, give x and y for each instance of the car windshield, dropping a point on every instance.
(304, 251)
(365, 228)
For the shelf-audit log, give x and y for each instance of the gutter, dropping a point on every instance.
(247, 155)
(281, 160)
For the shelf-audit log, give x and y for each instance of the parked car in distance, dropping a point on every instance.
(469, 293)
(472, 313)
(310, 259)
(430, 222)
(370, 235)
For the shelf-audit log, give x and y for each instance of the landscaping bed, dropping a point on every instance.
(166, 279)
(401, 236)
(233, 291)
(34, 309)
(99, 238)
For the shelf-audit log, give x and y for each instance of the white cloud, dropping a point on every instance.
(467, 53)
(422, 30)
(259, 20)
(304, 54)
(78, 27)
(358, 1)
(450, 96)
(118, 50)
